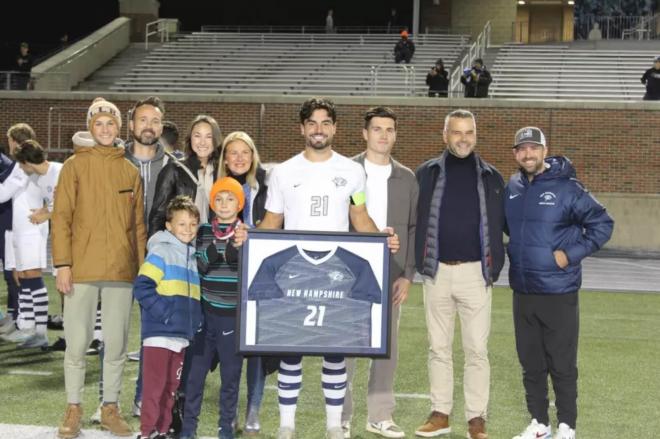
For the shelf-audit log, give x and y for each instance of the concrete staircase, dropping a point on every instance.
(116, 68)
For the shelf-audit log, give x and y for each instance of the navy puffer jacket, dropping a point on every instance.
(552, 212)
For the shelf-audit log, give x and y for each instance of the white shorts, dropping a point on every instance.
(28, 252)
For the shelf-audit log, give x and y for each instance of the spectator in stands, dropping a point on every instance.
(438, 80)
(193, 176)
(595, 33)
(240, 160)
(330, 22)
(99, 195)
(476, 80)
(393, 21)
(651, 79)
(24, 66)
(170, 139)
(404, 49)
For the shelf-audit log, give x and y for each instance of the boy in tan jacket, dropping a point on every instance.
(99, 239)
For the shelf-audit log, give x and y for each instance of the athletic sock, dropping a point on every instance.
(289, 383)
(333, 380)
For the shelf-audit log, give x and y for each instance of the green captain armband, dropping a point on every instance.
(358, 198)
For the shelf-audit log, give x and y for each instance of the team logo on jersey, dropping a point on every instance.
(547, 199)
(336, 276)
(339, 181)
(49, 189)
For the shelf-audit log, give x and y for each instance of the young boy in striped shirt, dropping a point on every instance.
(216, 343)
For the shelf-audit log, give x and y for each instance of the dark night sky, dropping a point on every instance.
(39, 22)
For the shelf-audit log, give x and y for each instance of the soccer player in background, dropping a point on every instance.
(317, 189)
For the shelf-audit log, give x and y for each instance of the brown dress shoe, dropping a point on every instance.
(436, 424)
(71, 423)
(112, 421)
(477, 428)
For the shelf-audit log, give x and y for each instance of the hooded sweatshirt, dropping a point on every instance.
(149, 170)
(167, 288)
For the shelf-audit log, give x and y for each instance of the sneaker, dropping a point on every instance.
(346, 428)
(286, 433)
(385, 428)
(252, 426)
(112, 421)
(71, 423)
(133, 356)
(137, 409)
(477, 428)
(334, 433)
(58, 345)
(96, 417)
(94, 347)
(436, 424)
(19, 336)
(7, 325)
(535, 431)
(55, 322)
(564, 432)
(36, 341)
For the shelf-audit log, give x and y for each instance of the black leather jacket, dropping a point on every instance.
(176, 178)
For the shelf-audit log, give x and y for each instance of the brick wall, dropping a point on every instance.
(614, 146)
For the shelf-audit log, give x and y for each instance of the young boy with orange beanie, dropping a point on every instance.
(218, 272)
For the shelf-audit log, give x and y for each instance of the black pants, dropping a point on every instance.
(547, 327)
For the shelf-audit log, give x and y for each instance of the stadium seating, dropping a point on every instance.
(289, 63)
(568, 72)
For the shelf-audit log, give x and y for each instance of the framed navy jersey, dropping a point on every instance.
(314, 293)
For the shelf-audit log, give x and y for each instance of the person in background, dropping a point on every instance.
(170, 139)
(476, 80)
(24, 67)
(651, 79)
(404, 49)
(438, 80)
(330, 22)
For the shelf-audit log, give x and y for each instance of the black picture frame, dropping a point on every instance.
(344, 318)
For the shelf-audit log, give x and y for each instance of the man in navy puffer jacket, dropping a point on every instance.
(554, 223)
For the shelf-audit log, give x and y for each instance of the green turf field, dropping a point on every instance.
(619, 387)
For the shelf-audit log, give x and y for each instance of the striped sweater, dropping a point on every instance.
(167, 288)
(217, 262)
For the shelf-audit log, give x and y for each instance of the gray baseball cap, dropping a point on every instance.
(529, 135)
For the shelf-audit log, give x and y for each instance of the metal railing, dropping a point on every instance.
(162, 27)
(648, 28)
(613, 27)
(476, 50)
(408, 78)
(14, 80)
(312, 29)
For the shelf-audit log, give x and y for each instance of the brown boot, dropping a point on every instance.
(112, 421)
(71, 423)
(477, 428)
(436, 424)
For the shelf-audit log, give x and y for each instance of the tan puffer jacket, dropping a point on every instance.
(97, 224)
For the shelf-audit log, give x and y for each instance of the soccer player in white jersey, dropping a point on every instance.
(317, 189)
(32, 192)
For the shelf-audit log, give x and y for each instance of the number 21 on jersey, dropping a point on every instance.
(312, 319)
(319, 206)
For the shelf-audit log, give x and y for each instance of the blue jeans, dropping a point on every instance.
(256, 379)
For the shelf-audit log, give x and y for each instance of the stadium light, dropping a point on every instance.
(521, 2)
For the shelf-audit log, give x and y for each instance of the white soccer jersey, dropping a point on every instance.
(48, 182)
(315, 195)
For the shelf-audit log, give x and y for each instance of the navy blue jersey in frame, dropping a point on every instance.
(324, 297)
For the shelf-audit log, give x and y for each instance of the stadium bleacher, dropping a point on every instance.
(290, 64)
(568, 72)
